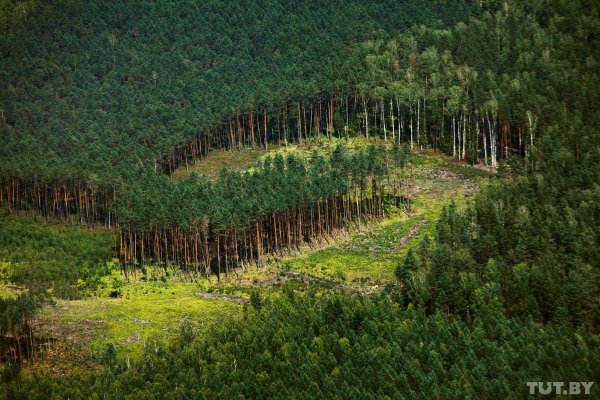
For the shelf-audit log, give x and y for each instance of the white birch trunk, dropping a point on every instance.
(392, 118)
(366, 118)
(346, 126)
(459, 134)
(425, 111)
(485, 155)
(492, 141)
(532, 122)
(400, 122)
(411, 130)
(454, 136)
(383, 118)
(464, 136)
(418, 121)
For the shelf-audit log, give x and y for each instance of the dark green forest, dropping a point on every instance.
(91, 90)
(101, 102)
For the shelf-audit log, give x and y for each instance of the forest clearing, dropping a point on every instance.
(289, 200)
(152, 309)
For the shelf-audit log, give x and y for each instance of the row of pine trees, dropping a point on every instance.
(245, 217)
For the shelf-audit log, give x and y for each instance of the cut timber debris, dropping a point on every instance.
(439, 173)
(309, 279)
(219, 296)
(413, 232)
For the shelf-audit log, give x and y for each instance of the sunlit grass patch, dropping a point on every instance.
(239, 159)
(244, 158)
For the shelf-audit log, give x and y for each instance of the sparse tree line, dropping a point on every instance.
(196, 150)
(72, 199)
(475, 136)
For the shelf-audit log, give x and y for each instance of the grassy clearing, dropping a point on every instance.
(144, 314)
(237, 159)
(8, 290)
(74, 264)
(365, 259)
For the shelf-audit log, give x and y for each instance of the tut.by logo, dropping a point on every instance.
(560, 387)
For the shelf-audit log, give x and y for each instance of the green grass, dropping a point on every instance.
(436, 159)
(365, 259)
(237, 159)
(9, 290)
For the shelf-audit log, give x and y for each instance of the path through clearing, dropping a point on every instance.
(366, 258)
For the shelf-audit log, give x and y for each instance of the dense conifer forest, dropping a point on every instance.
(445, 153)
